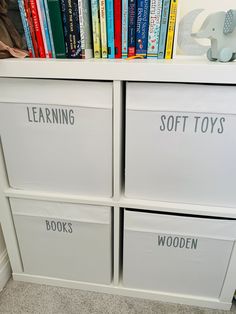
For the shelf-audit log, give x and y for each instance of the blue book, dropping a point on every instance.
(110, 29)
(163, 29)
(44, 28)
(142, 25)
(26, 28)
(49, 28)
(125, 6)
(131, 27)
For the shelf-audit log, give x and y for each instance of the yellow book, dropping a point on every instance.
(171, 29)
(96, 28)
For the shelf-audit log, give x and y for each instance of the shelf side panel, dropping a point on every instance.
(7, 221)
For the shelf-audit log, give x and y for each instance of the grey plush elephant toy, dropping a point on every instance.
(220, 28)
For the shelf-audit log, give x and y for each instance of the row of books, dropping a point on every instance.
(99, 28)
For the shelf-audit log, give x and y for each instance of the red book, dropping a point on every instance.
(37, 28)
(117, 28)
(31, 28)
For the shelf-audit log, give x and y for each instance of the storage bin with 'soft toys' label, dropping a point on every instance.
(180, 143)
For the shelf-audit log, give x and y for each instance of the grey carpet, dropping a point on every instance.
(23, 298)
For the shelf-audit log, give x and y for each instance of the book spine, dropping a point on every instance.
(31, 27)
(57, 27)
(103, 28)
(131, 28)
(142, 27)
(85, 28)
(163, 29)
(81, 24)
(154, 28)
(70, 19)
(64, 10)
(124, 29)
(37, 28)
(171, 29)
(96, 28)
(118, 32)
(88, 53)
(44, 28)
(49, 28)
(26, 28)
(110, 29)
(75, 39)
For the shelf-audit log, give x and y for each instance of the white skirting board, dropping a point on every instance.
(120, 290)
(5, 269)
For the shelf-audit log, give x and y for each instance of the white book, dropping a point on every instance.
(154, 28)
(85, 28)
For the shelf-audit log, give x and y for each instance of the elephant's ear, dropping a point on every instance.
(230, 22)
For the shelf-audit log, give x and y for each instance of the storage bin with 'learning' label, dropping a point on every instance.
(57, 135)
(180, 143)
(177, 254)
(67, 241)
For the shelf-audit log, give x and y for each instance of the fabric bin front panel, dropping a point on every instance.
(57, 135)
(180, 143)
(66, 241)
(176, 254)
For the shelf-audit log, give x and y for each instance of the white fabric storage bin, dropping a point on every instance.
(180, 143)
(57, 135)
(176, 254)
(67, 241)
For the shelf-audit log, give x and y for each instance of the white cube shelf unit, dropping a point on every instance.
(203, 228)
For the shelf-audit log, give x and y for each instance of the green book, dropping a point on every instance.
(57, 28)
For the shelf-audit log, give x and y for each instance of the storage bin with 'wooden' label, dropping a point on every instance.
(177, 254)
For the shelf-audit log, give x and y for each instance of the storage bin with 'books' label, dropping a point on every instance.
(67, 241)
(180, 143)
(57, 135)
(177, 254)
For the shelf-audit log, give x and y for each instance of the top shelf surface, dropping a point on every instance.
(189, 70)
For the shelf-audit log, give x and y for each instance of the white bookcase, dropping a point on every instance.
(179, 70)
